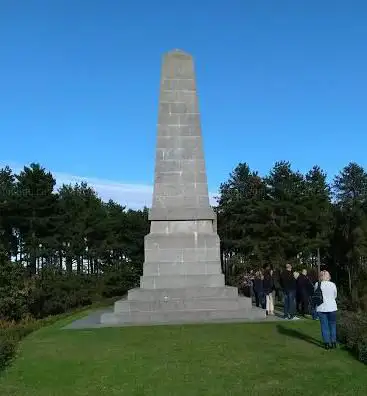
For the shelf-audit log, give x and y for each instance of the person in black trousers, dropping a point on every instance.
(289, 286)
(259, 290)
(304, 291)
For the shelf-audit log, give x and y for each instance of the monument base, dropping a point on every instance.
(182, 276)
(182, 305)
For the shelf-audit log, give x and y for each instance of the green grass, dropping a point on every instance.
(216, 360)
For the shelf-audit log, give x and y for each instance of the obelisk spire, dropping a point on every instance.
(182, 277)
(180, 185)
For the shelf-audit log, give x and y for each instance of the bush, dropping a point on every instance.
(10, 335)
(118, 282)
(7, 351)
(14, 291)
(53, 291)
(352, 332)
(56, 292)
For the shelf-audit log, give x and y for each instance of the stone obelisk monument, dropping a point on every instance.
(182, 279)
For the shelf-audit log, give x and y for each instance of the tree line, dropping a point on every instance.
(71, 228)
(287, 216)
(60, 249)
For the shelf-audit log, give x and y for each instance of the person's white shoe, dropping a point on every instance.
(295, 318)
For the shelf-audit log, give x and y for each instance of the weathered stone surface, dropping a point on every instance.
(182, 249)
(181, 281)
(182, 293)
(180, 177)
(184, 316)
(182, 304)
(182, 277)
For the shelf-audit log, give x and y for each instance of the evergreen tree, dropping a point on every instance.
(239, 199)
(283, 213)
(350, 239)
(35, 214)
(318, 215)
(8, 242)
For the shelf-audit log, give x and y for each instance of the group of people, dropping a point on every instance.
(299, 292)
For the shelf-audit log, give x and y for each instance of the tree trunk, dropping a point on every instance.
(349, 280)
(69, 263)
(79, 264)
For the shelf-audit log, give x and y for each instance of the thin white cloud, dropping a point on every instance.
(134, 196)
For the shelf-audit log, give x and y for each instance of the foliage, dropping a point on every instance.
(287, 216)
(352, 331)
(14, 291)
(10, 335)
(63, 249)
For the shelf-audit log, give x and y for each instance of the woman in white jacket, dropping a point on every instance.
(327, 310)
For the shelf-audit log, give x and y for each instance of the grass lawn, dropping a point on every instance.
(223, 359)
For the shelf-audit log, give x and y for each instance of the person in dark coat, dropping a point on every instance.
(304, 291)
(277, 286)
(268, 285)
(259, 290)
(289, 286)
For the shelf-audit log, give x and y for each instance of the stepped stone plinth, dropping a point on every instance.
(182, 277)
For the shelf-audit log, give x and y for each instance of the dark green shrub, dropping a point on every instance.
(7, 351)
(14, 291)
(362, 349)
(10, 335)
(117, 283)
(56, 292)
(352, 332)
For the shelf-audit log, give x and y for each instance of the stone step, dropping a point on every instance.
(181, 281)
(179, 268)
(176, 317)
(182, 293)
(190, 304)
(182, 235)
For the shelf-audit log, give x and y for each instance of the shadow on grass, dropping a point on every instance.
(298, 334)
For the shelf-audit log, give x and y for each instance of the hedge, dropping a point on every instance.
(11, 333)
(352, 332)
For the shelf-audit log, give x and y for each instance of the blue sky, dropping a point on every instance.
(277, 80)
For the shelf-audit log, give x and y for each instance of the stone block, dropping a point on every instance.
(178, 84)
(183, 268)
(178, 317)
(168, 96)
(183, 107)
(191, 304)
(192, 166)
(181, 239)
(178, 130)
(164, 255)
(182, 190)
(187, 142)
(183, 226)
(180, 153)
(181, 178)
(200, 254)
(166, 118)
(164, 213)
(182, 293)
(181, 281)
(189, 119)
